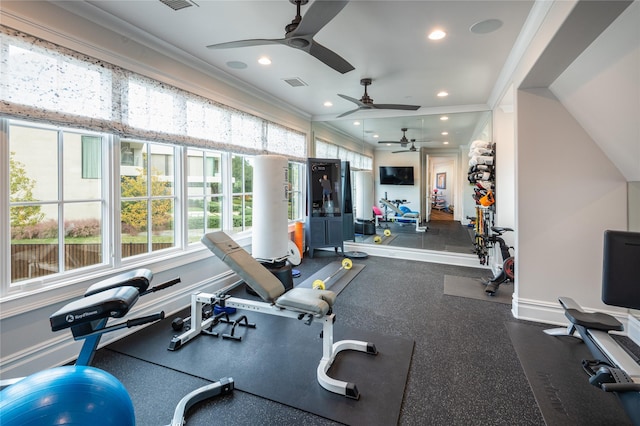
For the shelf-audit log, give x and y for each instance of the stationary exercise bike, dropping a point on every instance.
(81, 394)
(506, 273)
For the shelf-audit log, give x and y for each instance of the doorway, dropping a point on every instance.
(441, 186)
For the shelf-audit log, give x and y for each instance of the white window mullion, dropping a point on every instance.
(60, 203)
(227, 192)
(5, 235)
(112, 238)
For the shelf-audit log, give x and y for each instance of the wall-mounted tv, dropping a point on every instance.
(393, 175)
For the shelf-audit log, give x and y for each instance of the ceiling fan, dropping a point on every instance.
(412, 148)
(403, 140)
(367, 103)
(300, 32)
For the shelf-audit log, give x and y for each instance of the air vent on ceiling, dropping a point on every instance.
(295, 82)
(179, 4)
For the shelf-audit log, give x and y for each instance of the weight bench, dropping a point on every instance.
(403, 216)
(298, 303)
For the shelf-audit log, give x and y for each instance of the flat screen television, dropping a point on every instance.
(621, 269)
(393, 175)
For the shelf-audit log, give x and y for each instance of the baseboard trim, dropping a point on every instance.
(553, 314)
(419, 255)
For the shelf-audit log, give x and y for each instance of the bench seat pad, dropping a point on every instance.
(307, 300)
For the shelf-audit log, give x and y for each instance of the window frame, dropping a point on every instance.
(60, 201)
(111, 123)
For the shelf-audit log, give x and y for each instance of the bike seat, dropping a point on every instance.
(500, 230)
(115, 303)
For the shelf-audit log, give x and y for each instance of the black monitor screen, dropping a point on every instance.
(621, 269)
(396, 175)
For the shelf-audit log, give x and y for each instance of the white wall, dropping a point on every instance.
(634, 206)
(443, 165)
(411, 193)
(568, 193)
(504, 138)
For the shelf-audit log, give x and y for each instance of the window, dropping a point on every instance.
(147, 199)
(204, 193)
(91, 157)
(296, 183)
(242, 188)
(63, 217)
(356, 160)
(38, 76)
(56, 216)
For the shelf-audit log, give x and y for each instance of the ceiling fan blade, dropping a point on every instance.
(354, 100)
(344, 114)
(401, 143)
(395, 152)
(397, 106)
(247, 43)
(319, 14)
(329, 57)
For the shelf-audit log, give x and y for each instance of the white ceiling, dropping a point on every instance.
(384, 40)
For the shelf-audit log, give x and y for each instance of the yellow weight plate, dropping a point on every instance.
(387, 232)
(347, 263)
(377, 239)
(318, 285)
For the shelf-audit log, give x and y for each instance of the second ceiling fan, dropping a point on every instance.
(367, 103)
(412, 148)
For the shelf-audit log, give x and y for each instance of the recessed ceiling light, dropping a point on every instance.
(444, 133)
(445, 143)
(486, 26)
(437, 35)
(376, 136)
(328, 104)
(264, 61)
(356, 123)
(442, 94)
(444, 118)
(236, 65)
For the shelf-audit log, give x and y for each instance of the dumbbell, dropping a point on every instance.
(321, 284)
(378, 239)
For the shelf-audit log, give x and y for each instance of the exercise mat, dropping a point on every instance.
(383, 242)
(473, 288)
(278, 361)
(336, 283)
(561, 387)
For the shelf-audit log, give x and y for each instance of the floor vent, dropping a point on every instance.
(295, 82)
(179, 4)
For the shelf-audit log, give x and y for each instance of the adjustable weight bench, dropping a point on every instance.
(298, 303)
(404, 216)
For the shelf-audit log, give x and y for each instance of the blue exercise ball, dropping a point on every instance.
(70, 395)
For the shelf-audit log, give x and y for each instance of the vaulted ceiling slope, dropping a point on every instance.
(601, 89)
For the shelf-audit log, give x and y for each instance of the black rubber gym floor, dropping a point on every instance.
(464, 369)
